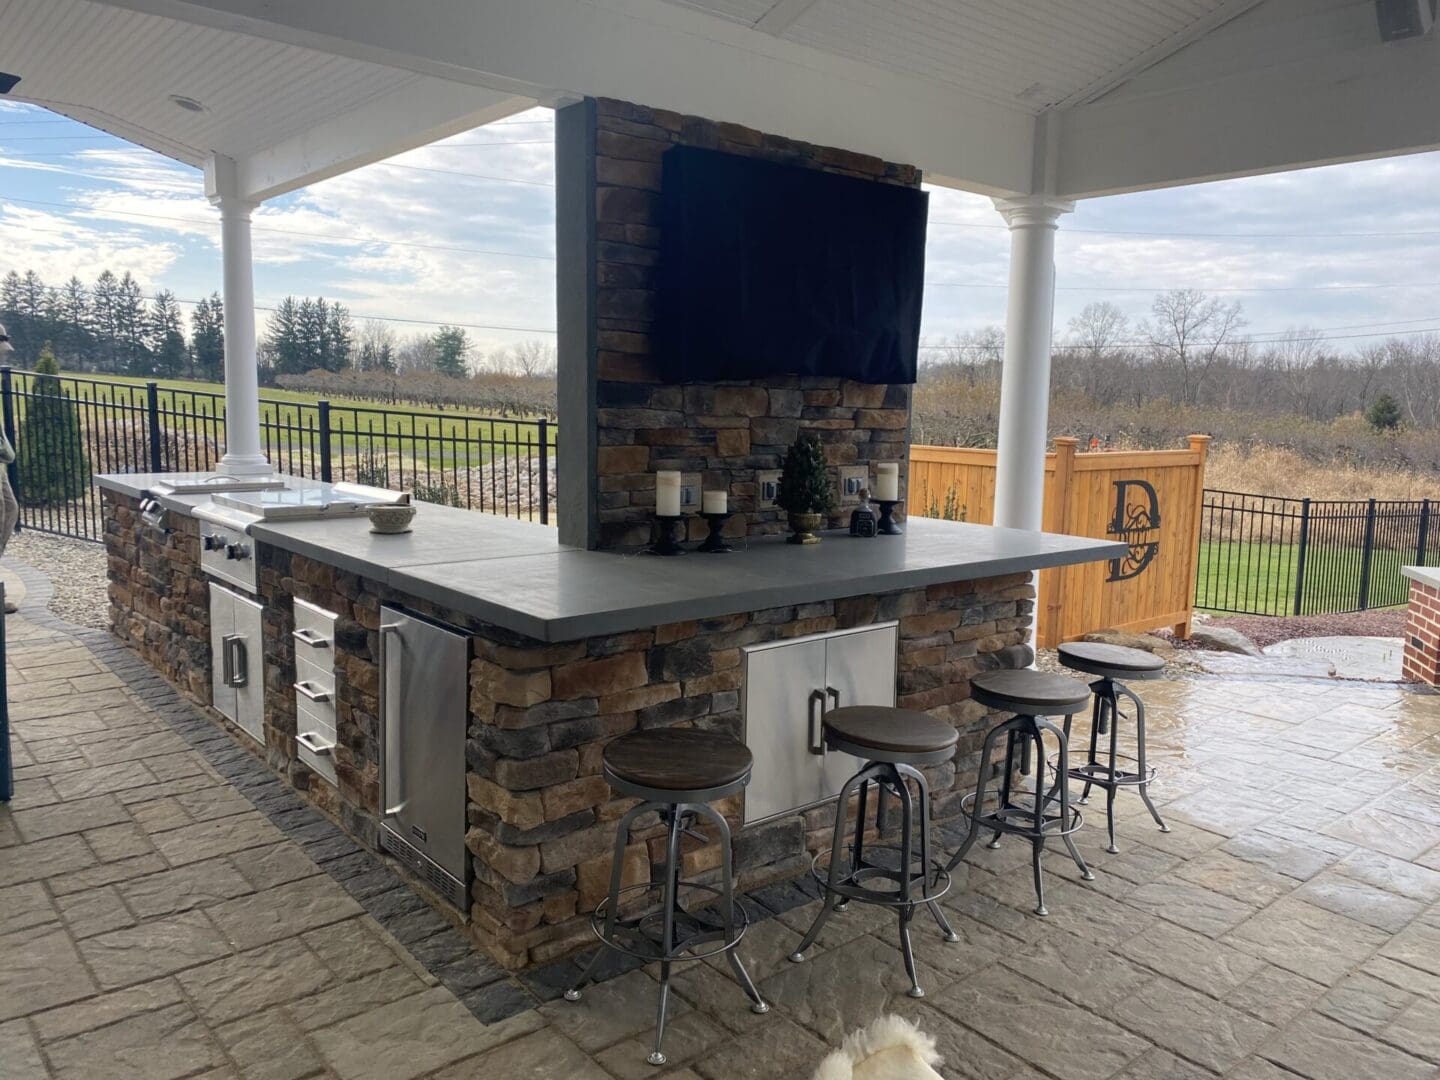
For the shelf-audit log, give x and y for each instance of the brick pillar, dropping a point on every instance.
(1422, 635)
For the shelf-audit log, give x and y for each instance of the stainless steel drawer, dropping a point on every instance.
(314, 635)
(314, 688)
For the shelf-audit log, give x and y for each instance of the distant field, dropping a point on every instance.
(452, 438)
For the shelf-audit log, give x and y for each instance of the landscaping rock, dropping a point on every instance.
(1151, 643)
(1223, 639)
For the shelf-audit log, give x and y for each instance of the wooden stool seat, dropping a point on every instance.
(1110, 661)
(884, 733)
(1030, 693)
(680, 761)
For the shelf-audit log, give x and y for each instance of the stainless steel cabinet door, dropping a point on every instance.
(222, 630)
(249, 665)
(423, 689)
(781, 704)
(859, 670)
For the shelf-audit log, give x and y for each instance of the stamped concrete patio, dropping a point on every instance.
(168, 908)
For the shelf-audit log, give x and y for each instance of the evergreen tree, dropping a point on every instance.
(451, 349)
(284, 345)
(51, 465)
(207, 338)
(76, 341)
(804, 480)
(105, 321)
(1384, 413)
(165, 338)
(131, 325)
(339, 338)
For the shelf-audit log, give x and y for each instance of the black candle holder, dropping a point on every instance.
(714, 543)
(887, 526)
(666, 544)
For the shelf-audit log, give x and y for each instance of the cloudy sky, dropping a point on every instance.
(462, 232)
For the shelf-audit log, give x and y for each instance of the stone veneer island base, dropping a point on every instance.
(544, 699)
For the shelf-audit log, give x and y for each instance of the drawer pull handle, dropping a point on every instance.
(314, 638)
(314, 743)
(311, 691)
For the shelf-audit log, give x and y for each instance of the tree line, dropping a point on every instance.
(1191, 350)
(112, 327)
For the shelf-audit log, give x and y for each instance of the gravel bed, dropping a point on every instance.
(1266, 630)
(76, 569)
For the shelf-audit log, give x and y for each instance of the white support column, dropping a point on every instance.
(243, 453)
(1025, 377)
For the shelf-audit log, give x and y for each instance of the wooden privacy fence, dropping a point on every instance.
(1150, 499)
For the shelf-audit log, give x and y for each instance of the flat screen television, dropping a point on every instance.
(770, 269)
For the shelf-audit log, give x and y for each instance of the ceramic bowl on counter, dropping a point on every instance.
(390, 519)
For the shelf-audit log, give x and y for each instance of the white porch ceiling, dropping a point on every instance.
(1032, 55)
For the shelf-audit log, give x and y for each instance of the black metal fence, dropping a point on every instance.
(1265, 555)
(67, 428)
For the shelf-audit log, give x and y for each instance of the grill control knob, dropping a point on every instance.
(215, 541)
(237, 551)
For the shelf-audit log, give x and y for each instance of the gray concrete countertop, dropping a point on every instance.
(1425, 575)
(518, 575)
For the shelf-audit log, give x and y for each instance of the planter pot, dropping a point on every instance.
(803, 526)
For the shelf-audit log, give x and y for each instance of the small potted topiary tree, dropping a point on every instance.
(804, 491)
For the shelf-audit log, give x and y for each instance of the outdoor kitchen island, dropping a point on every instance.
(561, 650)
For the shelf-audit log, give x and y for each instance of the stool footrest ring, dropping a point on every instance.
(703, 932)
(1001, 819)
(852, 886)
(1102, 776)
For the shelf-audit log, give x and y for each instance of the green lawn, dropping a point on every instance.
(1260, 578)
(453, 438)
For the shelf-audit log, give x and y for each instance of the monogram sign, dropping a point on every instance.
(1137, 522)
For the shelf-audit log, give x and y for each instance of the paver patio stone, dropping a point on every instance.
(1307, 940)
(60, 819)
(151, 949)
(206, 839)
(95, 912)
(18, 1050)
(1357, 900)
(1392, 874)
(41, 969)
(160, 1045)
(248, 982)
(104, 1009)
(185, 887)
(283, 911)
(1275, 995)
(687, 1038)
(1087, 973)
(776, 1050)
(1193, 959)
(24, 906)
(269, 1046)
(1191, 1024)
(1322, 1049)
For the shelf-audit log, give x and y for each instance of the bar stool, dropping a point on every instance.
(892, 742)
(1113, 663)
(1032, 696)
(676, 772)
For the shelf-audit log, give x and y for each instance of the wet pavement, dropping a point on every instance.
(156, 921)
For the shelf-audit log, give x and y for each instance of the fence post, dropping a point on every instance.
(544, 471)
(1300, 559)
(1200, 446)
(12, 470)
(152, 414)
(1367, 555)
(323, 422)
(1055, 517)
(1422, 546)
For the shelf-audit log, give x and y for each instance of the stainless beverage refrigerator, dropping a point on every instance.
(424, 675)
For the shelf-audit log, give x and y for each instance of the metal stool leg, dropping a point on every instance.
(907, 857)
(1094, 737)
(617, 866)
(1010, 737)
(857, 858)
(1114, 757)
(727, 901)
(1143, 768)
(986, 753)
(837, 845)
(1062, 789)
(1038, 840)
(667, 941)
(924, 788)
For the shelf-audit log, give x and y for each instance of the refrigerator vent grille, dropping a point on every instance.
(452, 890)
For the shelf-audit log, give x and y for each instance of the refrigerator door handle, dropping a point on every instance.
(390, 720)
(236, 661)
(816, 740)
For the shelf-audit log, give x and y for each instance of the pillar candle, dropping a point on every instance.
(714, 502)
(887, 482)
(667, 493)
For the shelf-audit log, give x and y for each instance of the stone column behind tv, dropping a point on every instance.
(619, 421)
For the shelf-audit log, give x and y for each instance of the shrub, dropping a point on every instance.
(51, 464)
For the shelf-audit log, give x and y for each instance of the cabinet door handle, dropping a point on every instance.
(817, 724)
(307, 636)
(235, 661)
(834, 696)
(390, 721)
(311, 691)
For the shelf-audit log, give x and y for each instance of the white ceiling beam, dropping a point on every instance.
(419, 113)
(658, 54)
(783, 16)
(1294, 86)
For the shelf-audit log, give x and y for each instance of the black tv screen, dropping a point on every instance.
(770, 269)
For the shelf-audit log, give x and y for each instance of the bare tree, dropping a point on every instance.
(1192, 331)
(1099, 329)
(1293, 357)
